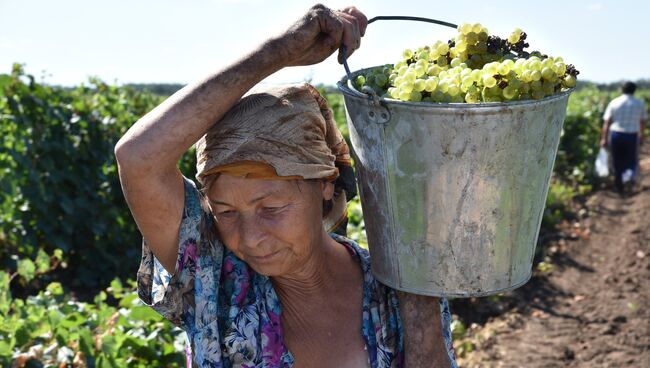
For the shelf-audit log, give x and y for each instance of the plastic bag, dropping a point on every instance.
(602, 163)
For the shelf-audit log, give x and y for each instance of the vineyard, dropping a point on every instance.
(69, 248)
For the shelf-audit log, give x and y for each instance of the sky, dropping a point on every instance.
(163, 41)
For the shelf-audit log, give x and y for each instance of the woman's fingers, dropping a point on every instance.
(361, 18)
(351, 37)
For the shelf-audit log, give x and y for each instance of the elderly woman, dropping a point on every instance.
(250, 266)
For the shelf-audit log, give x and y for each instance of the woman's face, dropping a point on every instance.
(273, 225)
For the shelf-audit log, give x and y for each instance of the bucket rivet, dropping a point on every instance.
(372, 114)
(383, 115)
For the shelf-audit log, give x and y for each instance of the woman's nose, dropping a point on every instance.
(251, 231)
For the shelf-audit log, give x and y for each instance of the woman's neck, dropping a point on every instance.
(313, 282)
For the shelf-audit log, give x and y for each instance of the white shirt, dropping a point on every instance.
(625, 113)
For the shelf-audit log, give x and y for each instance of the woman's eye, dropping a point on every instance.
(273, 209)
(226, 213)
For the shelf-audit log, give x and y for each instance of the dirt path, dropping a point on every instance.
(593, 308)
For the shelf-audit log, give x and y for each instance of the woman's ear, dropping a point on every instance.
(327, 189)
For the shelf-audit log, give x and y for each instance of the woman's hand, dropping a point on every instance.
(603, 143)
(319, 33)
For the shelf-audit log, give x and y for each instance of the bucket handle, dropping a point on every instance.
(344, 52)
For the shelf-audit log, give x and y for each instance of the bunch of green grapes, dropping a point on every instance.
(472, 67)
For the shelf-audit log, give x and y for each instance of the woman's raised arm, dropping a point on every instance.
(148, 153)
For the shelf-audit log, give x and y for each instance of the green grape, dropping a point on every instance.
(472, 97)
(548, 88)
(503, 68)
(431, 84)
(404, 96)
(419, 85)
(434, 70)
(537, 94)
(515, 83)
(509, 92)
(423, 55)
(392, 78)
(442, 61)
(519, 64)
(381, 80)
(360, 80)
(410, 76)
(513, 38)
(465, 28)
(407, 54)
(534, 64)
(455, 62)
(536, 75)
(491, 68)
(489, 81)
(570, 81)
(548, 73)
(465, 83)
(415, 96)
(547, 63)
(443, 86)
(536, 85)
(419, 71)
(471, 38)
(476, 75)
(394, 92)
(453, 90)
(560, 68)
(442, 49)
(406, 87)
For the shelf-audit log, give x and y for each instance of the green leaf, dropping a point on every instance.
(100, 298)
(72, 320)
(6, 346)
(42, 261)
(143, 313)
(86, 341)
(26, 269)
(129, 300)
(58, 254)
(55, 288)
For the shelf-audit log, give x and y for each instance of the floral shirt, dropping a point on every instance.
(232, 315)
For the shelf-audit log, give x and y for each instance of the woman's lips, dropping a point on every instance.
(265, 258)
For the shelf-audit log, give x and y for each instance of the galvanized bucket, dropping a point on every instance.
(453, 194)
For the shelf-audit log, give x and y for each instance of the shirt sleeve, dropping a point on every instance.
(644, 112)
(608, 112)
(174, 295)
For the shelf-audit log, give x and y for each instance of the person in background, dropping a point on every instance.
(624, 120)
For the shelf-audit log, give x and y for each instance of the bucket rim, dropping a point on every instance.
(342, 85)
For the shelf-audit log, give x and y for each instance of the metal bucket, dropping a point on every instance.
(453, 194)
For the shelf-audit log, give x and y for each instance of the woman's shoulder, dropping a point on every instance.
(362, 253)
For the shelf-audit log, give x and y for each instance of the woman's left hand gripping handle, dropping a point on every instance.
(319, 33)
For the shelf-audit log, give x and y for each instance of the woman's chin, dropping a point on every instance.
(270, 265)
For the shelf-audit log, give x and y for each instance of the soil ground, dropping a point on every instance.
(590, 308)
